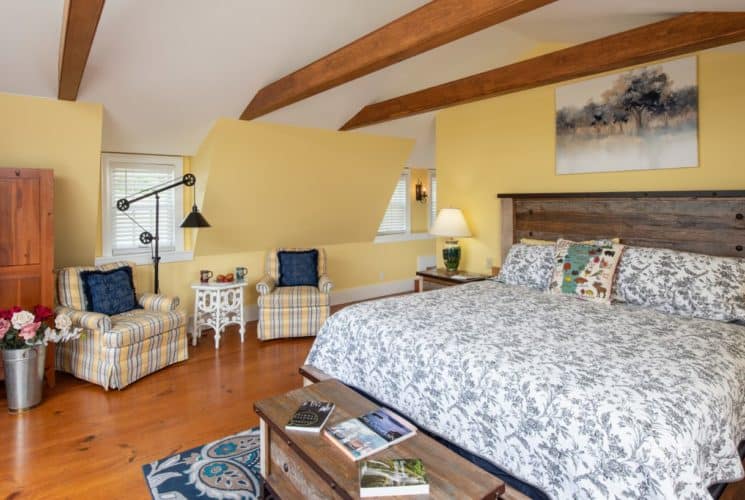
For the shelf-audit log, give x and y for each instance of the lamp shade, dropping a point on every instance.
(195, 219)
(450, 223)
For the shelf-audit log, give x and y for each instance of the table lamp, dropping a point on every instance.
(451, 224)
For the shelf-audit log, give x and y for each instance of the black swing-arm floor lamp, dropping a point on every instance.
(194, 219)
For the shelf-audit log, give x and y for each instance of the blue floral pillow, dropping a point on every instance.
(109, 292)
(298, 268)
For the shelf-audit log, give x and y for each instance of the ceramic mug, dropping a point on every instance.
(204, 276)
(240, 273)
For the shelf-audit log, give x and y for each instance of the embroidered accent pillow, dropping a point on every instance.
(682, 283)
(528, 265)
(109, 292)
(298, 268)
(585, 271)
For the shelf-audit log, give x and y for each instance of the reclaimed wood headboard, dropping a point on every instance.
(710, 222)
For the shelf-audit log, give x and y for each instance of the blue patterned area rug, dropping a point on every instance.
(227, 469)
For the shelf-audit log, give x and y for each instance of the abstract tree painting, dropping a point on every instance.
(642, 119)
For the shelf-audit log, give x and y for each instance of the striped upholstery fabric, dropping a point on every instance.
(294, 296)
(297, 311)
(153, 302)
(135, 326)
(70, 286)
(86, 319)
(275, 323)
(118, 350)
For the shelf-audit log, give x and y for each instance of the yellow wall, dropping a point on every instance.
(506, 145)
(276, 185)
(64, 136)
(350, 265)
(264, 185)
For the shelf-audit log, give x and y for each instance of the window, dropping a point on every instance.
(396, 218)
(432, 197)
(124, 175)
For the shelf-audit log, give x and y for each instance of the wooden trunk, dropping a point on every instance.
(308, 465)
(27, 242)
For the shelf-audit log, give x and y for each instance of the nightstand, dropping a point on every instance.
(434, 278)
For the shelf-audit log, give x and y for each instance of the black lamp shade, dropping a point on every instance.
(195, 219)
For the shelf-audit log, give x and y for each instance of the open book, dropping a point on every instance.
(362, 436)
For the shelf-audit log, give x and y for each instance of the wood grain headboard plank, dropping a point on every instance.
(630, 194)
(695, 221)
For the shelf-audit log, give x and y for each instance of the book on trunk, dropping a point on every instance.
(393, 477)
(362, 436)
(310, 417)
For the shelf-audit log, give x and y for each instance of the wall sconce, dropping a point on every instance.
(420, 192)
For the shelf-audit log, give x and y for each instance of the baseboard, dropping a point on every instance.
(251, 311)
(372, 291)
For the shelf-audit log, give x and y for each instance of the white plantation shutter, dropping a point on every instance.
(432, 197)
(124, 177)
(396, 218)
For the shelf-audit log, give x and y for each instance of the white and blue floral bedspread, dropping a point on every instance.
(581, 400)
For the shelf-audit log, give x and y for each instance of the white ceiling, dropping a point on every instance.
(165, 70)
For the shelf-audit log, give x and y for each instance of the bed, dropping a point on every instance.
(576, 399)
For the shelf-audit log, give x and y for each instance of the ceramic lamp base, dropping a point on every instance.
(451, 256)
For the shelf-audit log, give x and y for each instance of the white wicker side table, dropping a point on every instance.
(217, 305)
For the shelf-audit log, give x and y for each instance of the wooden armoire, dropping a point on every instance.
(27, 242)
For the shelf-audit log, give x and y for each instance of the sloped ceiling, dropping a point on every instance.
(165, 70)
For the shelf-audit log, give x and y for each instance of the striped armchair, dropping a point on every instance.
(292, 311)
(117, 350)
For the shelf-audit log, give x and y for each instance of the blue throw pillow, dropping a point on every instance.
(298, 268)
(110, 292)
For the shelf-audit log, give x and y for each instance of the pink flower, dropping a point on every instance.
(4, 327)
(28, 332)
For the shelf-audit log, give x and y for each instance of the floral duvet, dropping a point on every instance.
(581, 400)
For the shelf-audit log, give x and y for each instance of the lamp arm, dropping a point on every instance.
(146, 237)
(123, 204)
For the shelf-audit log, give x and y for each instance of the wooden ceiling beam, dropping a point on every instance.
(435, 23)
(78, 30)
(669, 38)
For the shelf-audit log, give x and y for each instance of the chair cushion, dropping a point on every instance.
(298, 268)
(70, 291)
(109, 292)
(296, 296)
(137, 325)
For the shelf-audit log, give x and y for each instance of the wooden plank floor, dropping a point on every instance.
(84, 442)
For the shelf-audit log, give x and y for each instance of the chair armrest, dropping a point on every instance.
(266, 285)
(85, 319)
(325, 284)
(158, 303)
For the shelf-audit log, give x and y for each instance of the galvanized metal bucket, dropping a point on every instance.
(24, 377)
